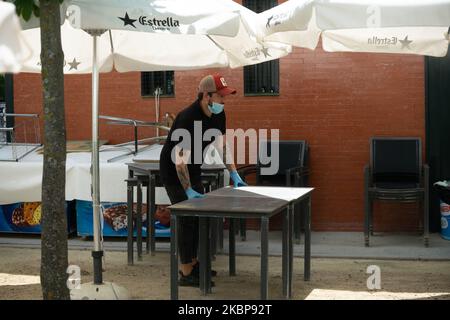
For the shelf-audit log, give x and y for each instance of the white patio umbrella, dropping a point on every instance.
(394, 26)
(208, 34)
(148, 36)
(13, 48)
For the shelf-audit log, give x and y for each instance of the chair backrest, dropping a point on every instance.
(396, 159)
(292, 153)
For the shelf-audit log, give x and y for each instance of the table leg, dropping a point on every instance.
(139, 221)
(243, 228)
(220, 184)
(203, 255)
(213, 230)
(291, 213)
(308, 240)
(214, 223)
(285, 252)
(264, 257)
(236, 226)
(208, 256)
(130, 224)
(232, 245)
(173, 258)
(147, 221)
(220, 235)
(152, 184)
(298, 208)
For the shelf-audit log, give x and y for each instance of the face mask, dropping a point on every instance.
(215, 108)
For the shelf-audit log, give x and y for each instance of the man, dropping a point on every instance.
(180, 169)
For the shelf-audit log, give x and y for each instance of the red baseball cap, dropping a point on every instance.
(215, 83)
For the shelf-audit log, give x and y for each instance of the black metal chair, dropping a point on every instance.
(292, 171)
(395, 173)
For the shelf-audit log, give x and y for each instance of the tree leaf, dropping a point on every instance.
(36, 11)
(26, 8)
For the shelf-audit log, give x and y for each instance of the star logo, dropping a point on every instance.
(265, 51)
(268, 22)
(74, 64)
(405, 43)
(127, 21)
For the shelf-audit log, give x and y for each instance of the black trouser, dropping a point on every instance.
(187, 227)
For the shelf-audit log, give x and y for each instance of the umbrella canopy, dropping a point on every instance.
(77, 48)
(13, 48)
(395, 26)
(216, 34)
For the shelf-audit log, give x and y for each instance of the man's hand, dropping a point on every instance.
(238, 182)
(191, 194)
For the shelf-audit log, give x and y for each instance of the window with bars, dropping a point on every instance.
(262, 78)
(164, 80)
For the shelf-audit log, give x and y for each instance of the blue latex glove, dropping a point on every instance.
(191, 194)
(238, 182)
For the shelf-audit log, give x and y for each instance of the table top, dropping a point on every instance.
(147, 166)
(213, 206)
(261, 192)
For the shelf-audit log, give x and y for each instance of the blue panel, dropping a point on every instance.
(115, 220)
(24, 217)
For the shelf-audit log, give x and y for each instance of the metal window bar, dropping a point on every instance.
(262, 78)
(150, 81)
(26, 146)
(136, 124)
(259, 6)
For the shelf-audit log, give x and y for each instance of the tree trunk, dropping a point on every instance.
(54, 259)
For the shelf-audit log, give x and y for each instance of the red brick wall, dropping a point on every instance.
(336, 101)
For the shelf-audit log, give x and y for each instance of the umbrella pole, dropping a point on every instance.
(97, 254)
(157, 94)
(97, 290)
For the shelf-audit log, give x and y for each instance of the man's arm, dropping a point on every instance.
(181, 167)
(225, 153)
(229, 161)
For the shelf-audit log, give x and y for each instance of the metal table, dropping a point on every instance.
(148, 173)
(291, 194)
(248, 202)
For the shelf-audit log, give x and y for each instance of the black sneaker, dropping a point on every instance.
(191, 280)
(196, 271)
(188, 281)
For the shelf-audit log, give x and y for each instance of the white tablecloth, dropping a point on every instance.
(22, 181)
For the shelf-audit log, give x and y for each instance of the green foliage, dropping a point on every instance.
(26, 8)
